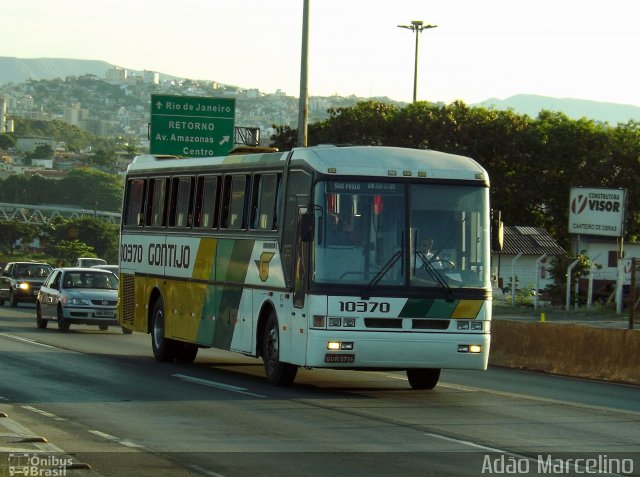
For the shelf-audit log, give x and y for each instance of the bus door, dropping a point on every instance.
(300, 316)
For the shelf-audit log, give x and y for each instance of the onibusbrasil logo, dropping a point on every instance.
(24, 464)
(578, 204)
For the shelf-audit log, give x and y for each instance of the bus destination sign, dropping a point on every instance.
(191, 126)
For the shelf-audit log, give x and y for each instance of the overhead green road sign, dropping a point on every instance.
(191, 126)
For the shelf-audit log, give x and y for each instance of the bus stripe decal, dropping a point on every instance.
(468, 309)
(203, 268)
(425, 308)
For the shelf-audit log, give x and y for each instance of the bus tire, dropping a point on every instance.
(163, 348)
(185, 352)
(278, 373)
(126, 331)
(425, 378)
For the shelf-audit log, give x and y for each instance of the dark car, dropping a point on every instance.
(87, 296)
(21, 281)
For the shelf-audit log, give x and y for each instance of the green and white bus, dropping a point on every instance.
(311, 258)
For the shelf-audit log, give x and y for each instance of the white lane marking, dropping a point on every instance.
(130, 444)
(43, 413)
(104, 435)
(459, 388)
(204, 471)
(215, 384)
(111, 438)
(26, 340)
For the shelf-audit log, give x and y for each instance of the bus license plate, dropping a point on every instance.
(339, 358)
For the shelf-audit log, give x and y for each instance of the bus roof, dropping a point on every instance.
(370, 161)
(390, 161)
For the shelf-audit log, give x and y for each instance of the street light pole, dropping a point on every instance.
(416, 26)
(303, 102)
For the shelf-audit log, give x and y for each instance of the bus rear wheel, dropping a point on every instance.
(423, 378)
(163, 348)
(185, 352)
(278, 373)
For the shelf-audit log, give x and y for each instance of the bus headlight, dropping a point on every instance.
(340, 345)
(473, 348)
(23, 286)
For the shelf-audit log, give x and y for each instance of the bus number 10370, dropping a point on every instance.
(365, 306)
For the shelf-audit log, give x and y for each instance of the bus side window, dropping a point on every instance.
(158, 195)
(207, 200)
(234, 204)
(135, 201)
(181, 201)
(264, 202)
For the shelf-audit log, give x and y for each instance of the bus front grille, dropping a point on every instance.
(383, 323)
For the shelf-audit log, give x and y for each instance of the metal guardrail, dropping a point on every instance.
(42, 214)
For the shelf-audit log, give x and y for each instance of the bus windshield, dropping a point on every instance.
(401, 234)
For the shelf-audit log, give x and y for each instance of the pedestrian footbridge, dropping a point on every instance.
(42, 214)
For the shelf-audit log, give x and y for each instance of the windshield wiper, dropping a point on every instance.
(433, 271)
(383, 271)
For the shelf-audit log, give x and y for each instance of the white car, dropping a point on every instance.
(87, 296)
(90, 261)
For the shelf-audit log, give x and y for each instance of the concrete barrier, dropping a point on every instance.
(567, 349)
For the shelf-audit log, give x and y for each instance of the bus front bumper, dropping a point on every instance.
(383, 350)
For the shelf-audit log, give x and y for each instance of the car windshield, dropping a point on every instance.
(95, 280)
(32, 270)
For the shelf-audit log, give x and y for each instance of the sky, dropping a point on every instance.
(481, 49)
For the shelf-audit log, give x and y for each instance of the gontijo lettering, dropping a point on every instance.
(169, 255)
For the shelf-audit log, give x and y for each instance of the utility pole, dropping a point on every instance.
(303, 104)
(416, 26)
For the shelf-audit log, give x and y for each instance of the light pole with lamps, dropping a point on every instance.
(416, 26)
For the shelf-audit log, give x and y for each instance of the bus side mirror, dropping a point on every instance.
(307, 223)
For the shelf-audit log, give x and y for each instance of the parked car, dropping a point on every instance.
(21, 281)
(87, 296)
(90, 261)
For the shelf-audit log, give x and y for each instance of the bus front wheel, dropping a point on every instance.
(162, 347)
(423, 378)
(278, 373)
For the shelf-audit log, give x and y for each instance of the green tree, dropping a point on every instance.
(99, 235)
(15, 234)
(7, 140)
(69, 250)
(91, 189)
(41, 152)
